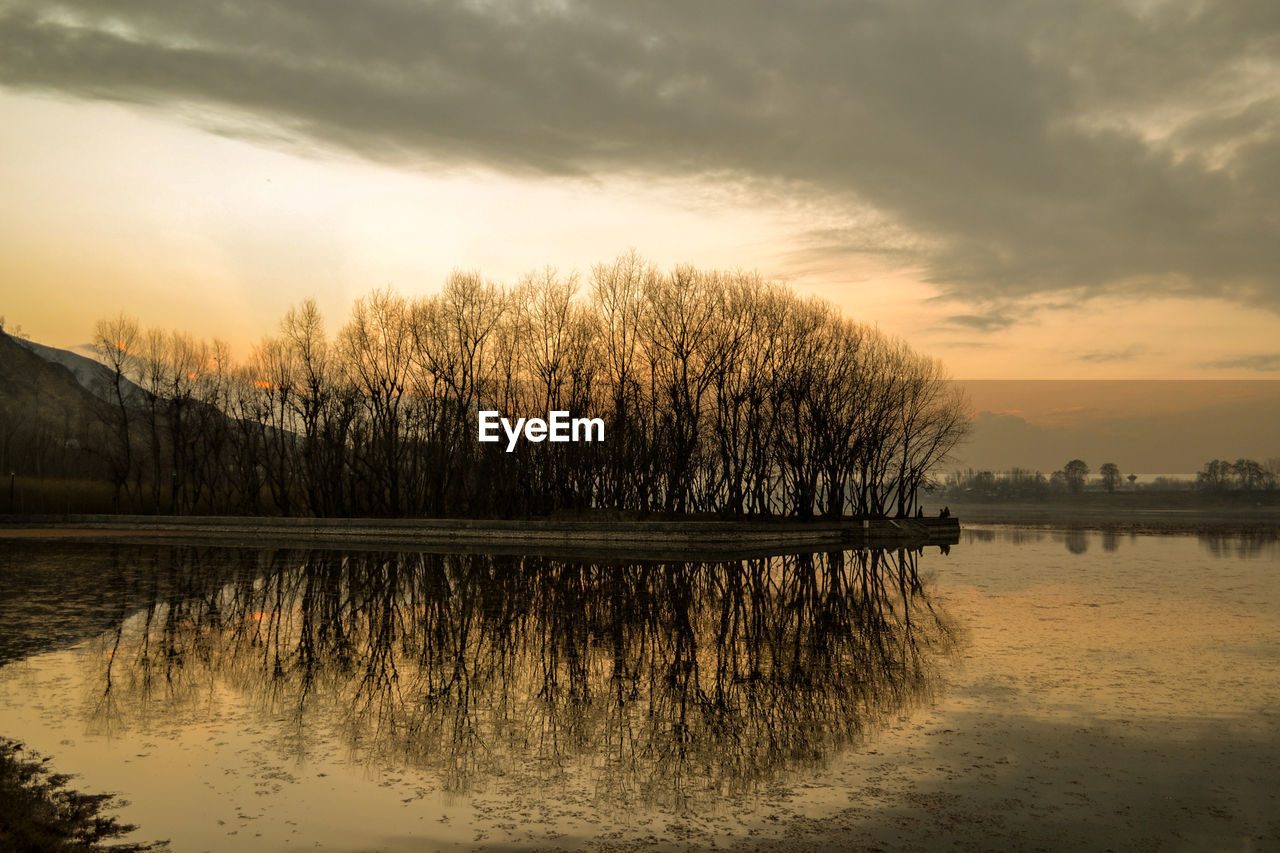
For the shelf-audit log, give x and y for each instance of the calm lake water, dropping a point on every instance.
(1029, 688)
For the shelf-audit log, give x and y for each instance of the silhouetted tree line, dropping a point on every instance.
(1243, 475)
(59, 446)
(1217, 476)
(1014, 484)
(661, 681)
(721, 393)
(1023, 484)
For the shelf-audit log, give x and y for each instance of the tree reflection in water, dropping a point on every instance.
(664, 681)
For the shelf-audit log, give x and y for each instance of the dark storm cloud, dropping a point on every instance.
(1109, 356)
(1261, 361)
(992, 322)
(1025, 148)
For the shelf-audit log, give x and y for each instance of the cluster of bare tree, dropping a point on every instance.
(1247, 475)
(1023, 483)
(1014, 484)
(721, 392)
(665, 681)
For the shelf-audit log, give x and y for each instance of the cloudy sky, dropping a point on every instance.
(1058, 190)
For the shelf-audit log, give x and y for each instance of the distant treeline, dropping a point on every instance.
(1243, 475)
(721, 393)
(1217, 477)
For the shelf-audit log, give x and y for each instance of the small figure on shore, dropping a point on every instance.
(919, 512)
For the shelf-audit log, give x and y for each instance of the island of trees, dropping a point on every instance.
(722, 393)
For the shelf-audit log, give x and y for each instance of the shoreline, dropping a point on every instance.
(676, 539)
(1212, 520)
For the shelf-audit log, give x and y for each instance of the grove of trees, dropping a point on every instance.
(721, 392)
(1248, 475)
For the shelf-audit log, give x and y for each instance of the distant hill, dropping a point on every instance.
(93, 376)
(50, 424)
(60, 434)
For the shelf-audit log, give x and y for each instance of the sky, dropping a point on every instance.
(1147, 427)
(1058, 190)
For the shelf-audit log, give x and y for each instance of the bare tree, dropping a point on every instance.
(376, 346)
(1075, 473)
(115, 341)
(1110, 473)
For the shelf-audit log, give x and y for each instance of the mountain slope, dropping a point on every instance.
(93, 376)
(50, 425)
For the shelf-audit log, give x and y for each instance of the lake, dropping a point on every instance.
(1024, 688)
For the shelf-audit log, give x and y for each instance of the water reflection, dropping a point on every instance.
(54, 596)
(667, 683)
(1077, 541)
(1259, 544)
(1263, 543)
(1011, 535)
